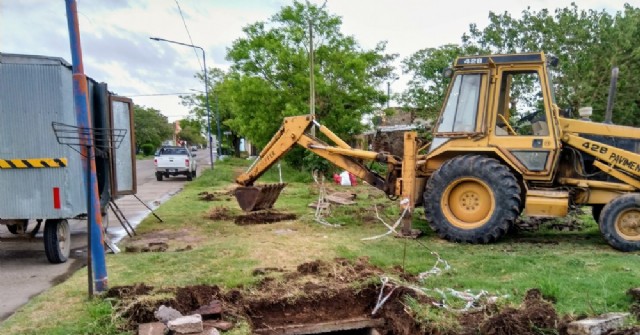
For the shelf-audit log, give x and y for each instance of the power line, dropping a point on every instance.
(188, 33)
(155, 94)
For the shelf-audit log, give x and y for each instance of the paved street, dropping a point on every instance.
(24, 269)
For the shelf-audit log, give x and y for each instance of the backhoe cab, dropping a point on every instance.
(500, 148)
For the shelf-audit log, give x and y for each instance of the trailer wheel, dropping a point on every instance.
(472, 199)
(620, 222)
(158, 176)
(57, 240)
(19, 227)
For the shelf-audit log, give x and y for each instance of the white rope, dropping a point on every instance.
(392, 229)
(381, 300)
(472, 300)
(435, 270)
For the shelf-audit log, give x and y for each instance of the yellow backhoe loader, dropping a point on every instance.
(500, 147)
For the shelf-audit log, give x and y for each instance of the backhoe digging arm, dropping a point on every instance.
(292, 132)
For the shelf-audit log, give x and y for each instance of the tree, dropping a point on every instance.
(151, 127)
(191, 132)
(587, 42)
(427, 87)
(269, 76)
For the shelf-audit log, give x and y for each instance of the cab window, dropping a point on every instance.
(521, 105)
(461, 110)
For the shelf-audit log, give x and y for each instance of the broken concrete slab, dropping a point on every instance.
(152, 328)
(218, 324)
(339, 200)
(597, 325)
(209, 311)
(165, 314)
(187, 324)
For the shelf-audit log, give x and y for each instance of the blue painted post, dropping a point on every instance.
(83, 113)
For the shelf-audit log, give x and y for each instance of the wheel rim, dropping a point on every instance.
(63, 234)
(468, 203)
(628, 224)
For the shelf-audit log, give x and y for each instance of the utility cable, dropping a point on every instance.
(189, 34)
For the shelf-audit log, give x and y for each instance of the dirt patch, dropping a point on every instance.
(221, 214)
(260, 217)
(216, 196)
(535, 316)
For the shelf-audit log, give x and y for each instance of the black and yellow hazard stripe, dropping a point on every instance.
(33, 163)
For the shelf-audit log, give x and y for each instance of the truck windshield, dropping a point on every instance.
(174, 151)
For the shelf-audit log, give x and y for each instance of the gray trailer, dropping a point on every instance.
(42, 180)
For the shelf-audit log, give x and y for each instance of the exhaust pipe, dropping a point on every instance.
(612, 95)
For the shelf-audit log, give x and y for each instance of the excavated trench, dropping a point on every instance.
(322, 311)
(332, 298)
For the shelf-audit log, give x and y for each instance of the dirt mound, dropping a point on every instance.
(533, 317)
(268, 216)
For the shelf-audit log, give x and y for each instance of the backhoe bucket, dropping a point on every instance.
(254, 198)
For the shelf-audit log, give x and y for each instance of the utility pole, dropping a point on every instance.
(312, 88)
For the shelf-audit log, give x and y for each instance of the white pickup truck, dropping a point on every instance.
(174, 161)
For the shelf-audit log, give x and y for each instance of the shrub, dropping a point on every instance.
(147, 149)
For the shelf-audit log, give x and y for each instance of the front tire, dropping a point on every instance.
(620, 222)
(472, 199)
(57, 240)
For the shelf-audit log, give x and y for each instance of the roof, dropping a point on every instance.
(500, 59)
(8, 58)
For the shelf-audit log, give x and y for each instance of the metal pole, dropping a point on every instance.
(206, 92)
(83, 117)
(312, 88)
(219, 148)
(206, 89)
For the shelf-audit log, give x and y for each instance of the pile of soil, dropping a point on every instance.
(267, 216)
(331, 291)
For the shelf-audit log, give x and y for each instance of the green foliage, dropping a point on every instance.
(269, 77)
(151, 127)
(587, 42)
(147, 149)
(427, 87)
(191, 132)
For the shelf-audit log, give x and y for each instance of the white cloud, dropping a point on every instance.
(117, 50)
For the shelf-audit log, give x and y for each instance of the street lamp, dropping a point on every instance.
(206, 89)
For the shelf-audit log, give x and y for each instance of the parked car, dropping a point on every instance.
(194, 148)
(175, 161)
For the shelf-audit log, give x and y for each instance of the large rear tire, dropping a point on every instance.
(57, 240)
(472, 199)
(620, 222)
(158, 176)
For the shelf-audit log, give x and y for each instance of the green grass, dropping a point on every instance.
(577, 270)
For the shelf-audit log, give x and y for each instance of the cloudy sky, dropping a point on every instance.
(117, 49)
